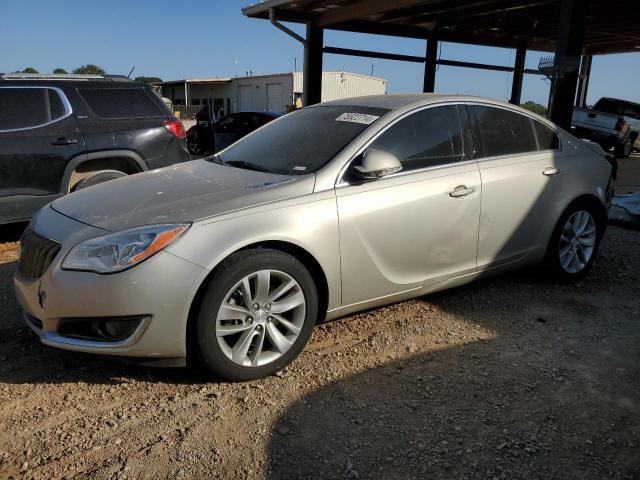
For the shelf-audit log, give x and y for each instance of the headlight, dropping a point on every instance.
(119, 251)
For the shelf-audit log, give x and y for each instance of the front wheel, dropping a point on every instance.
(574, 243)
(257, 314)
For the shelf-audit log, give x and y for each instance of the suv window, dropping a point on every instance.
(427, 138)
(547, 138)
(121, 102)
(503, 132)
(22, 108)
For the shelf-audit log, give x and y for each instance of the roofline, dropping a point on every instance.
(282, 74)
(195, 80)
(260, 7)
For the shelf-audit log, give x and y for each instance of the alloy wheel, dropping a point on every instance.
(577, 242)
(260, 318)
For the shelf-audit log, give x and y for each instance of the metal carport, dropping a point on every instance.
(574, 30)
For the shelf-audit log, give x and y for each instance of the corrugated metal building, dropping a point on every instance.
(275, 93)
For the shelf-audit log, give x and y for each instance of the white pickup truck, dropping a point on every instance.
(612, 123)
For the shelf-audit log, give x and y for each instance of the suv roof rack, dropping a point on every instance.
(63, 76)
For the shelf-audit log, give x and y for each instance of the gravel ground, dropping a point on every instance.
(510, 377)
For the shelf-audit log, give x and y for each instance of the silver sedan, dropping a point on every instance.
(333, 209)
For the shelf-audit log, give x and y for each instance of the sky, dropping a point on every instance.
(211, 38)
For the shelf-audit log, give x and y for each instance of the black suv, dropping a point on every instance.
(61, 133)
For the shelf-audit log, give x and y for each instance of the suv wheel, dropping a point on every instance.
(257, 314)
(98, 177)
(574, 243)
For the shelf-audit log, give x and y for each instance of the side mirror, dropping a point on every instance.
(378, 164)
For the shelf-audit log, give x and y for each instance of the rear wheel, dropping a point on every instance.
(574, 242)
(193, 146)
(623, 150)
(257, 314)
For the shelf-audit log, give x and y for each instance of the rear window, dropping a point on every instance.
(503, 132)
(617, 107)
(547, 138)
(121, 102)
(22, 108)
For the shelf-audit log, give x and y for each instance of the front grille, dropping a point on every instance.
(36, 254)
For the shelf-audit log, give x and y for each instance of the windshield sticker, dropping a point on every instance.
(357, 118)
(297, 167)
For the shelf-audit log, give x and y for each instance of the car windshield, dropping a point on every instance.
(301, 142)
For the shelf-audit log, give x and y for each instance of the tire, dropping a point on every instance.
(570, 257)
(193, 147)
(623, 150)
(97, 178)
(242, 340)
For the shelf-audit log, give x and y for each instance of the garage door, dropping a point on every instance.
(274, 97)
(244, 102)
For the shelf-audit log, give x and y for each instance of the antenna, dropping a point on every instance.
(129, 76)
(372, 65)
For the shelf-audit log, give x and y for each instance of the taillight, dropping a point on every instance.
(175, 128)
(613, 161)
(620, 124)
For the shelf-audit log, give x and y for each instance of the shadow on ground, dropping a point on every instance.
(554, 393)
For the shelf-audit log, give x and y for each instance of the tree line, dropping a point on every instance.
(91, 69)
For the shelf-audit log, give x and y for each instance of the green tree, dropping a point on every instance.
(29, 70)
(535, 107)
(89, 69)
(60, 70)
(147, 79)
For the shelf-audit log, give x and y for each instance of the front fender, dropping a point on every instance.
(310, 223)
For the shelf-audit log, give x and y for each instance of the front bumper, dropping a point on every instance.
(159, 291)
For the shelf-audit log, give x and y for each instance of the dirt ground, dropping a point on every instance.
(508, 378)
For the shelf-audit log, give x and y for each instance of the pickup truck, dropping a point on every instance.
(612, 123)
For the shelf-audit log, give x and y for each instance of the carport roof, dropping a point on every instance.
(194, 80)
(612, 26)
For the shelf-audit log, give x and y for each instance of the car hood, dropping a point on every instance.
(186, 192)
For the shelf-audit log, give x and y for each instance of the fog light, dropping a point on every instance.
(111, 329)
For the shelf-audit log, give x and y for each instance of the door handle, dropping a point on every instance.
(61, 142)
(461, 191)
(550, 171)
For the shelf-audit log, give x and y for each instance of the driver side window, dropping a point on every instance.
(427, 138)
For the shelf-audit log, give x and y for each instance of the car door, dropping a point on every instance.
(225, 132)
(415, 227)
(38, 137)
(521, 177)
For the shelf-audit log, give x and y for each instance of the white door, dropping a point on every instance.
(416, 227)
(274, 97)
(244, 101)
